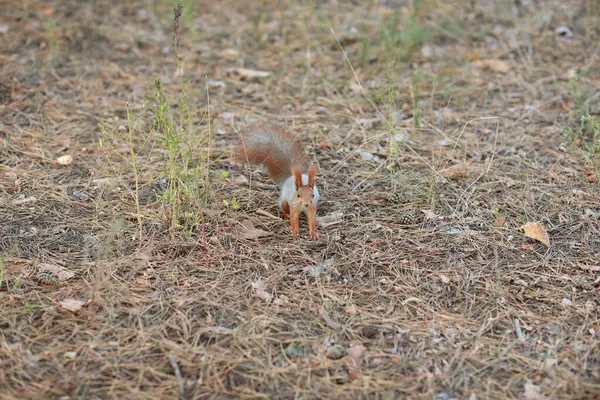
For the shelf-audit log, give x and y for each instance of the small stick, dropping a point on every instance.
(518, 330)
(175, 366)
(262, 212)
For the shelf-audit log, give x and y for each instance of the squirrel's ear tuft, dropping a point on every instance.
(312, 171)
(297, 177)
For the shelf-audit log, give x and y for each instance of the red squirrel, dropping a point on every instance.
(276, 148)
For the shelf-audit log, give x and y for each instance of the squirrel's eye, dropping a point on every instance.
(298, 195)
(313, 195)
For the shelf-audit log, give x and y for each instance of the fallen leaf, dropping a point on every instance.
(493, 64)
(351, 310)
(500, 220)
(209, 320)
(259, 290)
(23, 200)
(456, 171)
(567, 302)
(444, 279)
(250, 232)
(385, 11)
(356, 352)
(282, 300)
(141, 256)
(65, 160)
(533, 392)
(220, 84)
(323, 144)
(590, 306)
(592, 179)
(72, 304)
(355, 355)
(142, 281)
(331, 219)
(245, 73)
(430, 215)
(536, 231)
(102, 182)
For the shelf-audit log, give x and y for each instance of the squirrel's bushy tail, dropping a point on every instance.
(274, 147)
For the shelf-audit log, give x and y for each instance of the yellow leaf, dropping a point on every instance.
(455, 171)
(536, 231)
(494, 64)
(65, 160)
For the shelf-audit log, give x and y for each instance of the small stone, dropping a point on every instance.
(80, 195)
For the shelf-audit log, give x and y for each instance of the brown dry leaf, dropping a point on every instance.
(331, 219)
(142, 281)
(355, 355)
(259, 290)
(250, 232)
(456, 171)
(323, 144)
(209, 320)
(536, 231)
(494, 64)
(72, 304)
(351, 310)
(65, 160)
(500, 220)
(356, 352)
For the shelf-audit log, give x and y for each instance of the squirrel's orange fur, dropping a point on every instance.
(276, 149)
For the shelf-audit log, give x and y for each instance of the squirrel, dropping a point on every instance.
(278, 150)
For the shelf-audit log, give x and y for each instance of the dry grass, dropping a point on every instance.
(390, 302)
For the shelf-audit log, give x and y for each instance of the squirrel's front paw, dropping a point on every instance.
(314, 235)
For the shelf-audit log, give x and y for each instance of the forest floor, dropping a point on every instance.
(460, 241)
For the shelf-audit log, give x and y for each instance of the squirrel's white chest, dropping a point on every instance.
(288, 189)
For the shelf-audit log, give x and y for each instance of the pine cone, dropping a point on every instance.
(410, 217)
(46, 277)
